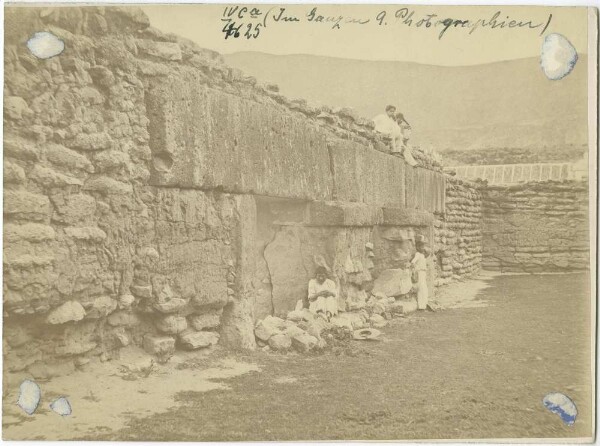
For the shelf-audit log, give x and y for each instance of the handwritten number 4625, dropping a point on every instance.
(232, 29)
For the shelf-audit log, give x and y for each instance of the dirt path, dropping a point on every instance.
(461, 373)
(476, 371)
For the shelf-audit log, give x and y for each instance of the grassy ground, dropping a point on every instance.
(462, 373)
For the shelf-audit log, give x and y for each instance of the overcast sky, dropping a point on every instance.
(390, 40)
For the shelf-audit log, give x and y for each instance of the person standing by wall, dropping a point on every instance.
(419, 265)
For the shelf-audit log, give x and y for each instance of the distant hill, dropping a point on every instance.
(507, 104)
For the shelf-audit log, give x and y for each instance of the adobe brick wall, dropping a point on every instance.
(536, 227)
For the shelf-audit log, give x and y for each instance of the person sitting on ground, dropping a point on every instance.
(386, 124)
(322, 294)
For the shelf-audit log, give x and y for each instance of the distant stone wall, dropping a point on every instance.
(536, 227)
(136, 168)
(458, 232)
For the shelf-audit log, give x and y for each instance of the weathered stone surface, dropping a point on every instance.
(72, 209)
(267, 328)
(125, 301)
(331, 213)
(21, 204)
(243, 129)
(159, 345)
(68, 312)
(107, 185)
(171, 324)
(92, 141)
(304, 342)
(49, 178)
(123, 319)
(13, 173)
(393, 282)
(30, 232)
(171, 306)
(86, 233)
(143, 292)
(15, 107)
(205, 321)
(293, 330)
(198, 339)
(280, 342)
(367, 176)
(162, 50)
(64, 157)
(20, 148)
(101, 307)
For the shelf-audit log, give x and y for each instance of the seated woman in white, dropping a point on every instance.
(322, 294)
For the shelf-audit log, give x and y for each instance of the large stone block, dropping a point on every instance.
(367, 176)
(330, 213)
(205, 138)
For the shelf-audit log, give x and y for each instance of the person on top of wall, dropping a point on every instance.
(322, 294)
(419, 266)
(403, 141)
(386, 124)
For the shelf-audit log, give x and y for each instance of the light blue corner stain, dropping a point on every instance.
(45, 45)
(29, 396)
(561, 405)
(61, 406)
(558, 57)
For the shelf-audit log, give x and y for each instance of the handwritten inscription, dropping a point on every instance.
(251, 22)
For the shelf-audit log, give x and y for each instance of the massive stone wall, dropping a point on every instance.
(136, 171)
(536, 227)
(458, 232)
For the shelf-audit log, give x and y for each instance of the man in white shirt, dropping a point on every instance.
(322, 294)
(386, 124)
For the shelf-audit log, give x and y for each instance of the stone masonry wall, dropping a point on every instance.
(536, 227)
(458, 232)
(133, 162)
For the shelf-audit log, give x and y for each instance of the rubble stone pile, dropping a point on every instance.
(458, 232)
(536, 227)
(304, 331)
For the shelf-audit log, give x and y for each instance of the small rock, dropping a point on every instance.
(280, 342)
(126, 301)
(198, 339)
(304, 342)
(67, 312)
(264, 332)
(159, 345)
(293, 330)
(101, 307)
(123, 319)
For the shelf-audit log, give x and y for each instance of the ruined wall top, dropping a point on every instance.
(149, 49)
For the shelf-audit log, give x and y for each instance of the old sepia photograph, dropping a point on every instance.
(299, 222)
